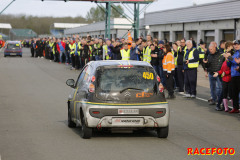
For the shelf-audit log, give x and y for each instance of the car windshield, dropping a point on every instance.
(13, 46)
(121, 79)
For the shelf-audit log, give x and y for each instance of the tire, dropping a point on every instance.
(20, 55)
(86, 132)
(71, 124)
(162, 132)
(5, 56)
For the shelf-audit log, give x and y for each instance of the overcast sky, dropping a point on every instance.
(73, 9)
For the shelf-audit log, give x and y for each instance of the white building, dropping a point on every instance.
(97, 29)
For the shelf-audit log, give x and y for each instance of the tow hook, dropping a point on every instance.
(154, 121)
(99, 126)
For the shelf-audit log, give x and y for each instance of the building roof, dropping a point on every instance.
(5, 26)
(23, 32)
(100, 26)
(227, 9)
(67, 25)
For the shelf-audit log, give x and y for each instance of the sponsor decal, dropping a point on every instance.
(143, 95)
(211, 151)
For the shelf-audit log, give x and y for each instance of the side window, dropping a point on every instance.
(80, 78)
(86, 76)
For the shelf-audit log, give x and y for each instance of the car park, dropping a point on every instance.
(118, 95)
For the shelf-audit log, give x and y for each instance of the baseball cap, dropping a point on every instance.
(161, 42)
(236, 42)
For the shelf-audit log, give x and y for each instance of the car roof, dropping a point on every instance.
(13, 42)
(96, 64)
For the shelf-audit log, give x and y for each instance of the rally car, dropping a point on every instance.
(113, 95)
(13, 48)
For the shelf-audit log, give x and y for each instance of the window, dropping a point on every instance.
(81, 76)
(155, 34)
(179, 35)
(228, 35)
(166, 36)
(117, 79)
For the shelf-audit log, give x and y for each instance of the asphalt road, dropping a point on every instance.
(33, 121)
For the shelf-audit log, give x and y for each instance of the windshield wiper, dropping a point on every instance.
(130, 88)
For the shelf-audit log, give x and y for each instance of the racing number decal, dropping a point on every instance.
(147, 75)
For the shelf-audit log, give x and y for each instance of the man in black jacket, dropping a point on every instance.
(180, 74)
(213, 64)
(115, 47)
(160, 58)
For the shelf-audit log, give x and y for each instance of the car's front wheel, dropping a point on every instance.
(162, 132)
(86, 132)
(71, 124)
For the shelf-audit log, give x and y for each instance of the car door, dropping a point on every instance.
(75, 91)
(82, 93)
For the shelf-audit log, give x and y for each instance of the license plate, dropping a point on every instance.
(127, 121)
(128, 111)
(13, 54)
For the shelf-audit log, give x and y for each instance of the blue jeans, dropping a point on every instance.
(98, 58)
(60, 56)
(161, 75)
(156, 69)
(215, 87)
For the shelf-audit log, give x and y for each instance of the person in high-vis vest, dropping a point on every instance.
(174, 52)
(222, 46)
(91, 53)
(179, 56)
(147, 53)
(72, 47)
(77, 54)
(125, 52)
(97, 49)
(144, 50)
(202, 50)
(190, 65)
(168, 70)
(51, 43)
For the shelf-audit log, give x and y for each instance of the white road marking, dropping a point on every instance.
(202, 99)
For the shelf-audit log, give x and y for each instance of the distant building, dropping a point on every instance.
(57, 29)
(19, 34)
(209, 22)
(4, 30)
(118, 29)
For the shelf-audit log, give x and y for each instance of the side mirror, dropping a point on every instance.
(70, 82)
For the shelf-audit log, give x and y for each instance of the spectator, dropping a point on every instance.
(213, 64)
(222, 46)
(190, 65)
(154, 58)
(160, 59)
(134, 55)
(235, 76)
(225, 73)
(168, 69)
(179, 55)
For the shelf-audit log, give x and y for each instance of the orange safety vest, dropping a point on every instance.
(168, 63)
(129, 40)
